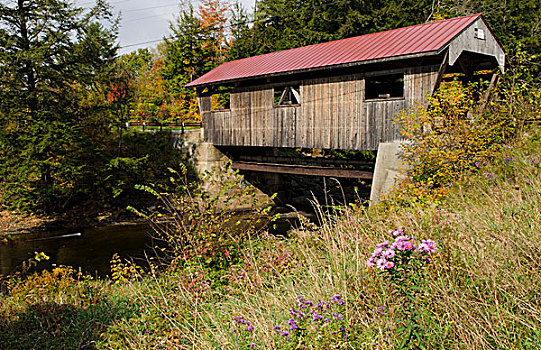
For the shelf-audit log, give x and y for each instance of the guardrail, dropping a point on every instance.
(182, 126)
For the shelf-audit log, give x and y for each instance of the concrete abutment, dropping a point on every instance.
(208, 159)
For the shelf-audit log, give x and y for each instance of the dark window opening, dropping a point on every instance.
(287, 95)
(221, 101)
(384, 86)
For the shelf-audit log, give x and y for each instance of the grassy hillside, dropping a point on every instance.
(480, 290)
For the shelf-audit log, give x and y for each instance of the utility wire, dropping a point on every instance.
(149, 8)
(146, 17)
(112, 3)
(289, 14)
(144, 42)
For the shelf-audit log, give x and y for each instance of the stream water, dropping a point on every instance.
(90, 249)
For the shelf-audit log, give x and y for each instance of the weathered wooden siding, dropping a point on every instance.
(332, 114)
(467, 42)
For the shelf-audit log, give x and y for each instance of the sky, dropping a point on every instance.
(144, 23)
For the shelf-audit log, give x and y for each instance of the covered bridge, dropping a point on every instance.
(341, 94)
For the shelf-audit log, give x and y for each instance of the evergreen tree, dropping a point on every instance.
(285, 24)
(243, 42)
(197, 47)
(51, 55)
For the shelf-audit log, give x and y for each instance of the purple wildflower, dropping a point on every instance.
(402, 239)
(337, 316)
(381, 310)
(534, 161)
(399, 232)
(401, 245)
(250, 329)
(252, 345)
(336, 297)
(377, 252)
(293, 312)
(389, 253)
(380, 264)
(285, 333)
(276, 328)
(371, 262)
(427, 246)
(382, 244)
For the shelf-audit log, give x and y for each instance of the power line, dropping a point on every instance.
(149, 8)
(146, 17)
(142, 43)
(112, 3)
(242, 22)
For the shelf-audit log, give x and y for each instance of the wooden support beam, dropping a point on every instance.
(441, 71)
(486, 96)
(302, 170)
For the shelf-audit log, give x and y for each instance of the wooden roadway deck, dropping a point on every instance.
(302, 170)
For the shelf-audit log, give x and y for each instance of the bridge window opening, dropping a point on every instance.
(287, 95)
(384, 86)
(479, 34)
(221, 101)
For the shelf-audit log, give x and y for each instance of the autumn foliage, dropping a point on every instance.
(459, 129)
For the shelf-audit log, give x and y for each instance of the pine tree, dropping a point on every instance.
(197, 46)
(51, 55)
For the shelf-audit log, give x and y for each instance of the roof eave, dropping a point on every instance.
(323, 68)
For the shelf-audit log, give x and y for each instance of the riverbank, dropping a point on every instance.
(473, 291)
(452, 272)
(16, 224)
(12, 223)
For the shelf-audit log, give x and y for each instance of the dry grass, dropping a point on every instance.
(482, 291)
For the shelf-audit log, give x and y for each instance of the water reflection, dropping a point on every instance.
(90, 249)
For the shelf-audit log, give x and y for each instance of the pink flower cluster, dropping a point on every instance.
(383, 256)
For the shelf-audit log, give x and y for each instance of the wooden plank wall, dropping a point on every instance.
(467, 42)
(332, 114)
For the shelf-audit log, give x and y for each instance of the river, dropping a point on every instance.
(90, 249)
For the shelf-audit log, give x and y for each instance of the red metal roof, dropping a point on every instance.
(416, 39)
